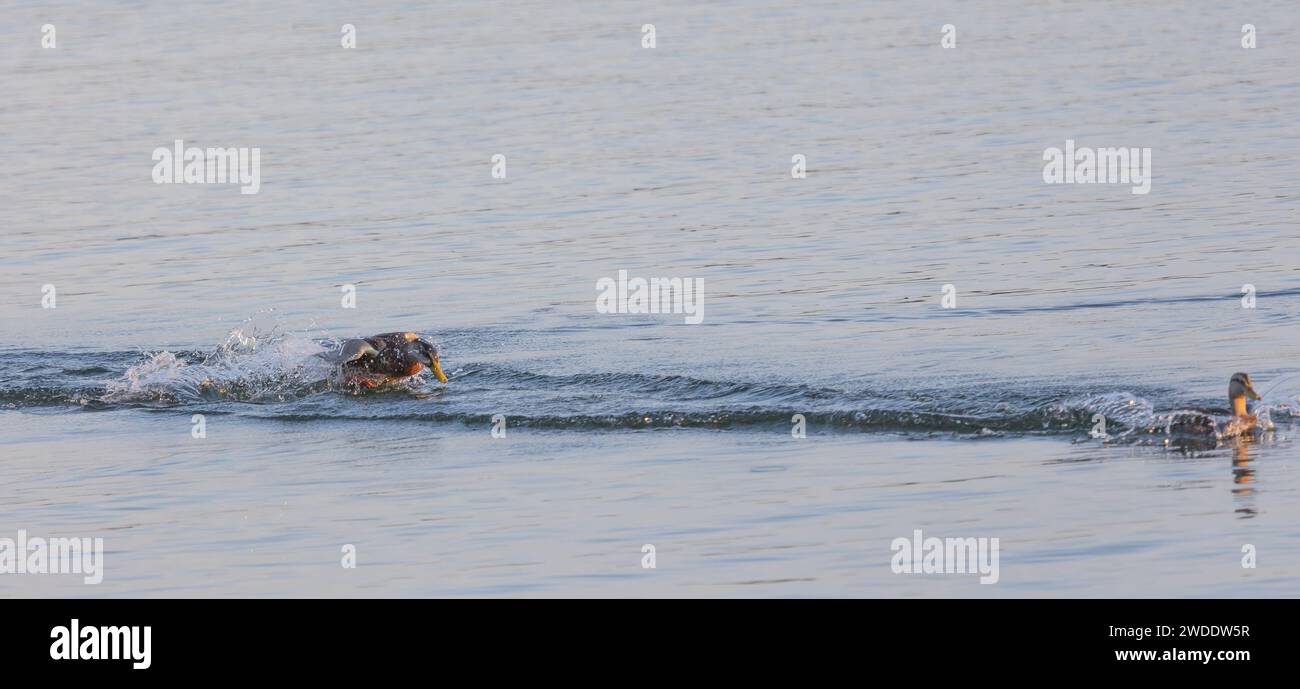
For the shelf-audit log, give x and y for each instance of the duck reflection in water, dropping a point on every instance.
(1243, 476)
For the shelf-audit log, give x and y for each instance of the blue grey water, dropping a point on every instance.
(822, 297)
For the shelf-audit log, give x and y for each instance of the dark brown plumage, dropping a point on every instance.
(387, 357)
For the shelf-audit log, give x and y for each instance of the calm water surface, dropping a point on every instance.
(821, 297)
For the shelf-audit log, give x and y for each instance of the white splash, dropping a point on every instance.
(248, 367)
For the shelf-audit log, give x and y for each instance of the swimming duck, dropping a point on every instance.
(1239, 388)
(386, 358)
(1201, 428)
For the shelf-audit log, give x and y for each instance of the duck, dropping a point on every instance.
(1201, 428)
(385, 358)
(1239, 389)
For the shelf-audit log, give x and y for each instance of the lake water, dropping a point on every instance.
(822, 297)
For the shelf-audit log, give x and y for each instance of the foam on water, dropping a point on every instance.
(246, 367)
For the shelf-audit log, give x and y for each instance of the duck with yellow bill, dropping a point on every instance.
(1239, 390)
(385, 358)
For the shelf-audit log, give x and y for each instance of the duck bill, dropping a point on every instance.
(437, 371)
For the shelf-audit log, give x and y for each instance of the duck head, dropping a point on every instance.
(426, 353)
(1239, 390)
